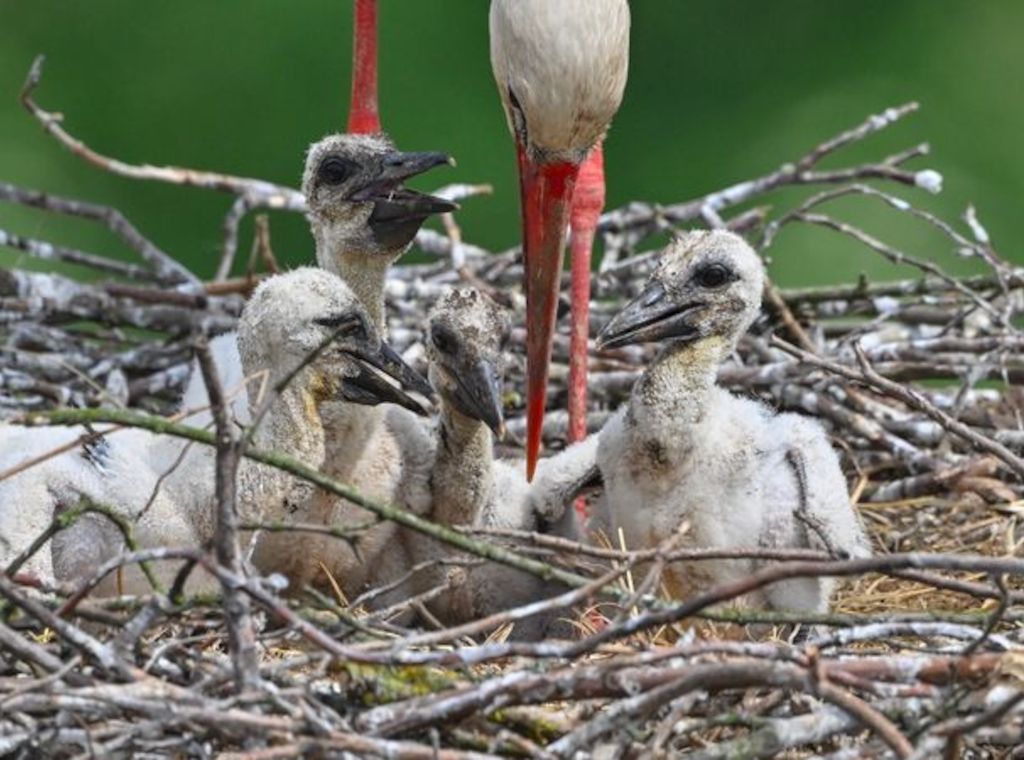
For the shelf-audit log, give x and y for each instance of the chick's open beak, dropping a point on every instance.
(399, 211)
(382, 377)
(652, 316)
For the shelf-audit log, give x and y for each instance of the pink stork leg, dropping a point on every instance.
(363, 117)
(587, 204)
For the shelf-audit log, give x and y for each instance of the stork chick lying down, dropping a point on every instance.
(685, 455)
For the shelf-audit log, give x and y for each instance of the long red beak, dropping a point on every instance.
(363, 117)
(546, 190)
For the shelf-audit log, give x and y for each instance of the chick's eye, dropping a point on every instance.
(713, 276)
(334, 170)
(443, 339)
(359, 331)
(349, 325)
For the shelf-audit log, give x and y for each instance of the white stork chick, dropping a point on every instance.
(288, 317)
(362, 218)
(118, 478)
(687, 456)
(467, 485)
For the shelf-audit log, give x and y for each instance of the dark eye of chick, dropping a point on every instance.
(334, 170)
(443, 339)
(348, 324)
(713, 276)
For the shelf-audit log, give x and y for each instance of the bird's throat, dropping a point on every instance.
(674, 390)
(464, 470)
(366, 274)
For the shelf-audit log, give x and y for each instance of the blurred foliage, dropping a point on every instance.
(719, 90)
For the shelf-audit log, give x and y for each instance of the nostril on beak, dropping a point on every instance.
(654, 294)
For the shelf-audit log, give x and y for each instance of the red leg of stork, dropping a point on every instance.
(587, 204)
(363, 117)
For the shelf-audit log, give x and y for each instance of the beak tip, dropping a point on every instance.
(531, 466)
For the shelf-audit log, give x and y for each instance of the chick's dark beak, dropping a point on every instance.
(652, 316)
(398, 212)
(377, 366)
(398, 166)
(476, 393)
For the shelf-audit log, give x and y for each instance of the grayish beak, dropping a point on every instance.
(398, 212)
(371, 385)
(399, 166)
(650, 317)
(477, 394)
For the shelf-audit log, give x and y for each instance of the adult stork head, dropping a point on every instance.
(560, 66)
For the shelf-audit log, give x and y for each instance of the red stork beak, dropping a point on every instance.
(363, 117)
(546, 196)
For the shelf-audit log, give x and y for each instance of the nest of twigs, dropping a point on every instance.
(915, 380)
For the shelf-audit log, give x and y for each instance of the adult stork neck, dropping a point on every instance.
(363, 115)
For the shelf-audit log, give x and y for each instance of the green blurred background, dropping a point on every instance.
(719, 91)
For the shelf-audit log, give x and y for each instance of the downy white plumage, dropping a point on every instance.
(288, 318)
(685, 455)
(362, 218)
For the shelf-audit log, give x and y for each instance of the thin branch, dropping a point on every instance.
(241, 630)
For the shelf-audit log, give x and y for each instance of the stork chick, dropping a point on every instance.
(686, 456)
(110, 472)
(362, 218)
(467, 485)
(287, 320)
(361, 214)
